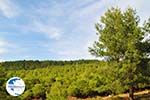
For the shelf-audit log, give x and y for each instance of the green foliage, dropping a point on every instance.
(118, 32)
(82, 80)
(27, 94)
(38, 89)
(122, 41)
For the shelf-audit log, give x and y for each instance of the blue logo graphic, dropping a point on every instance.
(15, 86)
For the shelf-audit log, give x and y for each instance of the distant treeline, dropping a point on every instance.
(32, 64)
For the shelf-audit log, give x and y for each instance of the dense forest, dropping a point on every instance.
(57, 81)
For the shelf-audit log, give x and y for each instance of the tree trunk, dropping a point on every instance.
(131, 93)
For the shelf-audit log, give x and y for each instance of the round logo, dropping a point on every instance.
(15, 86)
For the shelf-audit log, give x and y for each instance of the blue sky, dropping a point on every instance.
(54, 29)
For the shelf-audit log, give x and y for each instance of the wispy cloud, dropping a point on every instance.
(46, 29)
(11, 51)
(88, 9)
(141, 6)
(66, 27)
(3, 49)
(8, 8)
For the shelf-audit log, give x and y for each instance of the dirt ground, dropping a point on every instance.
(142, 95)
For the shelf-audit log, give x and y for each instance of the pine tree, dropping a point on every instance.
(121, 40)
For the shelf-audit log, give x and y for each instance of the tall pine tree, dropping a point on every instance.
(122, 40)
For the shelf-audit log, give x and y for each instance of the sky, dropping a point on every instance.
(55, 29)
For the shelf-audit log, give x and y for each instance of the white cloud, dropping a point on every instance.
(2, 43)
(71, 53)
(48, 9)
(46, 29)
(142, 7)
(88, 10)
(70, 49)
(3, 49)
(11, 51)
(128, 3)
(8, 8)
(81, 15)
(86, 17)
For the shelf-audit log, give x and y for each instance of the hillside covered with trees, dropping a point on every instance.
(56, 82)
